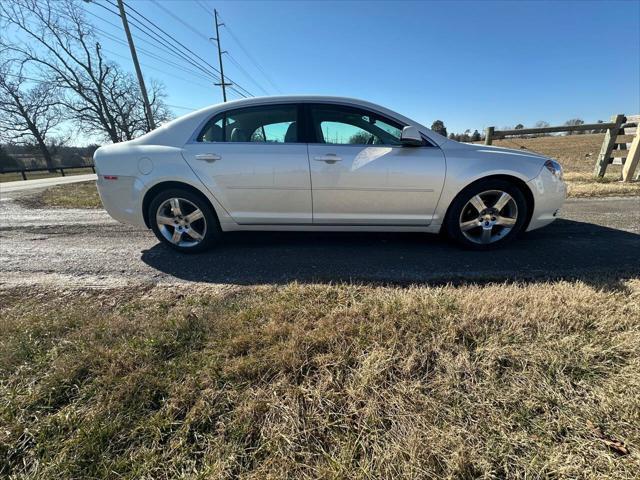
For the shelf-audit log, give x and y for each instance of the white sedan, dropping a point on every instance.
(321, 164)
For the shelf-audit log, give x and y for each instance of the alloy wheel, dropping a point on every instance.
(181, 222)
(488, 216)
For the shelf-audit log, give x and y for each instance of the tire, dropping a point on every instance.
(174, 220)
(493, 221)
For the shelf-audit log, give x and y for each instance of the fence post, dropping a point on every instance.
(607, 145)
(488, 139)
(633, 158)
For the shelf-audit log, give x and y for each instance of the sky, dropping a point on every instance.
(470, 64)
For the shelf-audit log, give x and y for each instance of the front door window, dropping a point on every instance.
(337, 125)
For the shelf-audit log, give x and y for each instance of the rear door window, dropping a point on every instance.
(262, 124)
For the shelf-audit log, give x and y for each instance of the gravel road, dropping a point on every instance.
(64, 247)
(24, 185)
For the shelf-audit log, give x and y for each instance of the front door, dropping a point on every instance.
(362, 175)
(251, 161)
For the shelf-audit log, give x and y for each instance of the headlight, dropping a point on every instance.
(555, 168)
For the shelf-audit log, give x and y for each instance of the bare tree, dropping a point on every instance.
(124, 101)
(28, 114)
(360, 138)
(518, 127)
(574, 122)
(100, 98)
(598, 130)
(542, 124)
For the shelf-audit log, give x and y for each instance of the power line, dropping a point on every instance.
(157, 57)
(246, 74)
(182, 108)
(191, 82)
(150, 22)
(243, 92)
(175, 17)
(210, 77)
(36, 80)
(203, 7)
(44, 81)
(156, 37)
(246, 52)
(151, 54)
(251, 58)
(168, 47)
(171, 49)
(239, 89)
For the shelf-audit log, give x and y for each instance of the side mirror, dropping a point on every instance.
(411, 136)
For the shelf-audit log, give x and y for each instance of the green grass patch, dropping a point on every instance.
(70, 195)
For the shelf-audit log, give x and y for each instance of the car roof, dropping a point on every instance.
(296, 98)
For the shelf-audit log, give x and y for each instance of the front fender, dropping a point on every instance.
(468, 165)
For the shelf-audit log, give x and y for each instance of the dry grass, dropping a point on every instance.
(577, 154)
(585, 185)
(70, 195)
(494, 381)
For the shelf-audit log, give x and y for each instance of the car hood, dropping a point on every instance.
(495, 160)
(480, 151)
(490, 149)
(506, 151)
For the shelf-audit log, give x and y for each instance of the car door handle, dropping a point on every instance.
(208, 157)
(328, 158)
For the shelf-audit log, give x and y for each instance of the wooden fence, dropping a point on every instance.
(616, 135)
(24, 171)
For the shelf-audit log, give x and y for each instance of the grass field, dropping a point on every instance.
(316, 381)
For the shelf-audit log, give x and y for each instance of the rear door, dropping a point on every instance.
(251, 160)
(361, 174)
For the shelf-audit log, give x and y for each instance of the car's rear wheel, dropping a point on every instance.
(183, 220)
(487, 214)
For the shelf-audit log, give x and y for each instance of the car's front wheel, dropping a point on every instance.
(487, 214)
(183, 220)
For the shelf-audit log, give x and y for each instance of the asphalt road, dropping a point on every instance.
(593, 237)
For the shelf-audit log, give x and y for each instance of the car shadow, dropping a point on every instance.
(564, 250)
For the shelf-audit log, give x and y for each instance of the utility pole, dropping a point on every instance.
(220, 52)
(134, 57)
